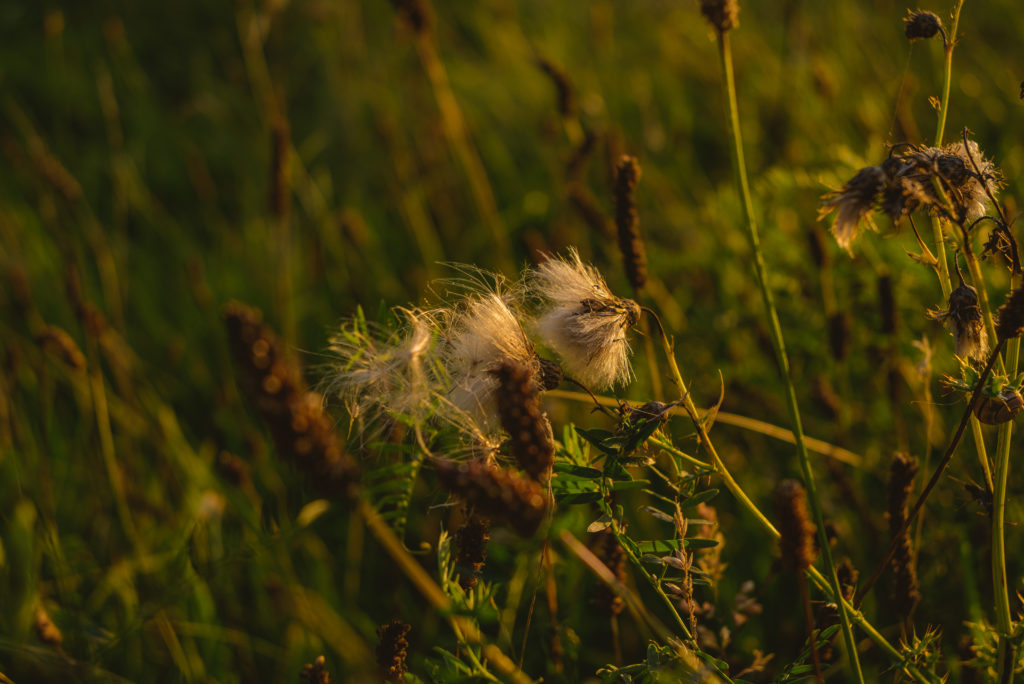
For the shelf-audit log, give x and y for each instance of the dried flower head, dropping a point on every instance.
(384, 374)
(1011, 316)
(797, 531)
(853, 203)
(498, 493)
(921, 24)
(392, 650)
(722, 14)
(528, 428)
(583, 321)
(963, 316)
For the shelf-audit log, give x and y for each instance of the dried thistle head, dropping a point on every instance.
(853, 204)
(721, 14)
(920, 24)
(963, 317)
(1010, 323)
(583, 321)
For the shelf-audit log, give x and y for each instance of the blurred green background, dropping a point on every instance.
(159, 159)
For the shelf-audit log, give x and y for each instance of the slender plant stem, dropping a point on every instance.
(1004, 619)
(778, 343)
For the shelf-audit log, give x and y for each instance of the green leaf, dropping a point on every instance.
(616, 471)
(579, 497)
(578, 471)
(632, 484)
(602, 523)
(657, 546)
(700, 498)
(699, 543)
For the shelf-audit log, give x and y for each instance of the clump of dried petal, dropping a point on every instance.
(963, 316)
(393, 650)
(853, 203)
(294, 416)
(1010, 323)
(905, 593)
(920, 24)
(528, 428)
(721, 14)
(316, 672)
(797, 531)
(498, 493)
(631, 244)
(583, 321)
(382, 375)
(608, 550)
(471, 545)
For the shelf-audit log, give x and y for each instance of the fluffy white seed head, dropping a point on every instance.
(583, 321)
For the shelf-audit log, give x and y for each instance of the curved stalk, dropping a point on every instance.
(725, 54)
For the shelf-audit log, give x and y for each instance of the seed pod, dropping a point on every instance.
(722, 14)
(1001, 409)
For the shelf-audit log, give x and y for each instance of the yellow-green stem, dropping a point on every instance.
(778, 343)
(1004, 620)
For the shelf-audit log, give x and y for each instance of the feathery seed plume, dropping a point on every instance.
(583, 321)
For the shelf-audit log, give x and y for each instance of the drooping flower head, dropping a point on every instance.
(583, 321)
(963, 316)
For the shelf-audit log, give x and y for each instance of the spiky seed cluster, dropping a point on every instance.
(498, 493)
(300, 429)
(527, 427)
(583, 321)
(797, 531)
(316, 672)
(920, 24)
(393, 650)
(901, 483)
(608, 550)
(963, 316)
(471, 545)
(906, 182)
(721, 14)
(631, 245)
(1011, 316)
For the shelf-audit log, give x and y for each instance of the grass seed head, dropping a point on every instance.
(797, 531)
(393, 650)
(316, 672)
(901, 484)
(721, 14)
(500, 494)
(608, 550)
(631, 245)
(471, 543)
(528, 428)
(583, 321)
(920, 24)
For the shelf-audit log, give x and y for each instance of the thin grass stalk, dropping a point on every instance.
(778, 343)
(1004, 619)
(940, 246)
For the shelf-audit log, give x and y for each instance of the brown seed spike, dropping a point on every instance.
(563, 86)
(797, 532)
(607, 548)
(1011, 316)
(528, 429)
(471, 542)
(901, 484)
(294, 416)
(316, 672)
(498, 493)
(393, 650)
(919, 24)
(722, 14)
(634, 256)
